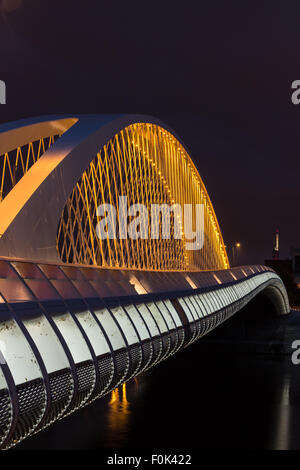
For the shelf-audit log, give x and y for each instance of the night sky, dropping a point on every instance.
(219, 73)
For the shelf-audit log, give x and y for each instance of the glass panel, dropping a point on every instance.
(100, 283)
(221, 297)
(191, 307)
(138, 321)
(173, 312)
(3, 384)
(16, 350)
(226, 297)
(165, 313)
(91, 328)
(196, 306)
(215, 301)
(133, 285)
(157, 315)
(44, 336)
(111, 328)
(79, 281)
(207, 303)
(125, 324)
(69, 330)
(200, 307)
(35, 280)
(11, 287)
(148, 319)
(186, 309)
(233, 292)
(59, 281)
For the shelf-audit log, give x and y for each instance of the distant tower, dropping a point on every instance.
(2, 92)
(276, 245)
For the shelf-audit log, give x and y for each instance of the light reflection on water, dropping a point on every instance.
(281, 441)
(118, 414)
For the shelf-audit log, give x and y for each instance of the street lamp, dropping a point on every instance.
(234, 246)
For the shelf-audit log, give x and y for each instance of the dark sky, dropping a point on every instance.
(218, 72)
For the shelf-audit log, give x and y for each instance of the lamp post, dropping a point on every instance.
(234, 246)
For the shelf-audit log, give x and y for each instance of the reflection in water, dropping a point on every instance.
(282, 416)
(118, 414)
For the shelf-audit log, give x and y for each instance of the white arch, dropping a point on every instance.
(29, 214)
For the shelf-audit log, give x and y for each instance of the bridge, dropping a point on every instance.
(80, 314)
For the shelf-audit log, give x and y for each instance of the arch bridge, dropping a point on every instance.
(81, 314)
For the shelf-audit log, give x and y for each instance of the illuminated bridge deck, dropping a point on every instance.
(74, 333)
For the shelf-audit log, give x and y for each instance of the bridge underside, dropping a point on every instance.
(70, 334)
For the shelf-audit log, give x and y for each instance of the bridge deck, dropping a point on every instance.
(70, 334)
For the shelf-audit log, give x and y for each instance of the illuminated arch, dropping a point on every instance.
(55, 201)
(147, 164)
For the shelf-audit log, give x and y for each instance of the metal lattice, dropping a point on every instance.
(15, 164)
(147, 164)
